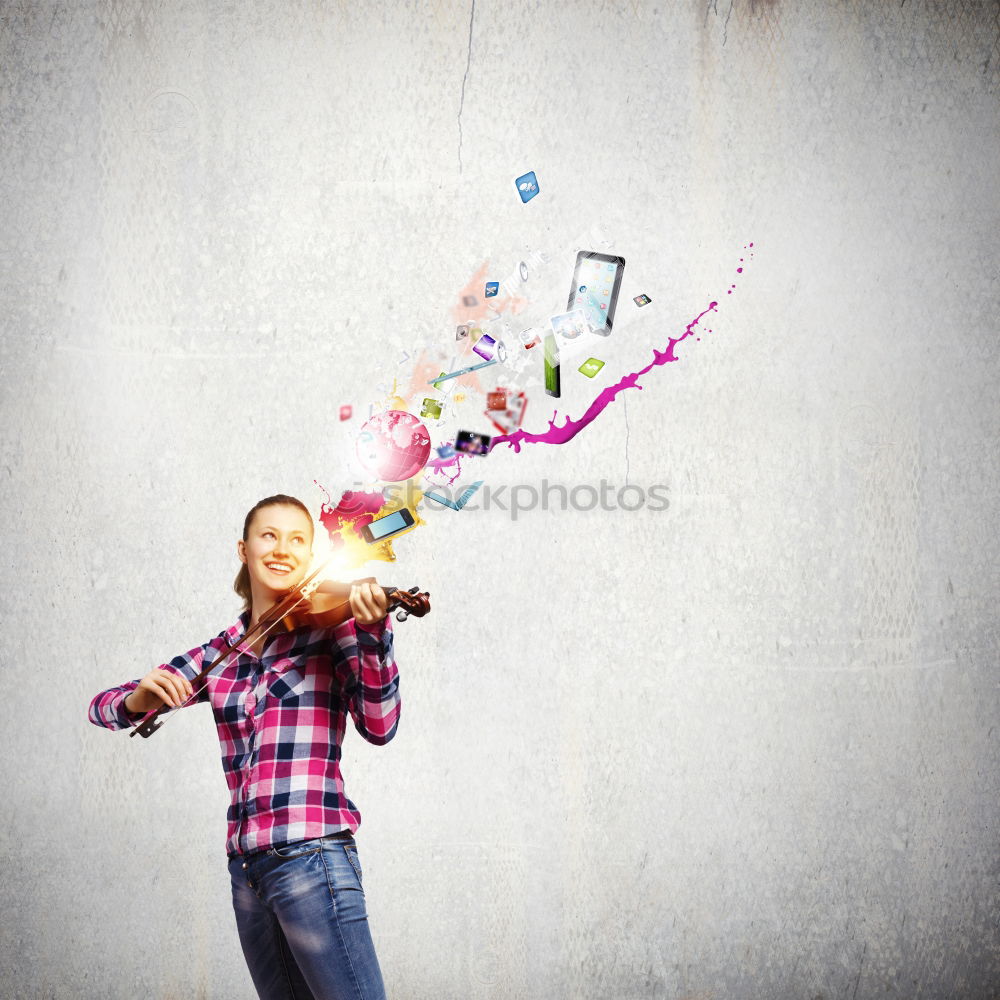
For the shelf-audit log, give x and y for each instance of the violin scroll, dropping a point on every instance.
(413, 601)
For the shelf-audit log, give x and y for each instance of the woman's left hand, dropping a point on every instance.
(368, 603)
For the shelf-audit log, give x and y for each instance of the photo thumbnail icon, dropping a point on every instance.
(527, 186)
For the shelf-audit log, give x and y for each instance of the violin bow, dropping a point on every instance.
(274, 615)
(151, 722)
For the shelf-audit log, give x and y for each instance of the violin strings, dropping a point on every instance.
(265, 620)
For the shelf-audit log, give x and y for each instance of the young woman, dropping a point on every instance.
(280, 705)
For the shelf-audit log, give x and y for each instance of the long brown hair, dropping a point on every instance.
(242, 583)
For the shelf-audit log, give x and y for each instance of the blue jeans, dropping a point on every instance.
(300, 911)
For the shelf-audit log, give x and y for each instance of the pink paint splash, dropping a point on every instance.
(569, 430)
(352, 513)
(439, 465)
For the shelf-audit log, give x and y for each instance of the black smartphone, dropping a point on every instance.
(551, 354)
(596, 280)
(387, 526)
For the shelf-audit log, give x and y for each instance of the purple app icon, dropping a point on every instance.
(485, 347)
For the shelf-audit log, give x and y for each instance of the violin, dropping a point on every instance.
(329, 605)
(311, 604)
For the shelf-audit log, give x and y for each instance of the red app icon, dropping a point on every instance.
(509, 419)
(496, 400)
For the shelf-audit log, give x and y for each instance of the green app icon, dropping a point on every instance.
(431, 409)
(591, 367)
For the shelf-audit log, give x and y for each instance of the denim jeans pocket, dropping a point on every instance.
(352, 855)
(298, 850)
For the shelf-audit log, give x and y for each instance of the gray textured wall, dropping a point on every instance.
(743, 748)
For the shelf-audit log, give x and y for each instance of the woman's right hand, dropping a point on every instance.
(158, 687)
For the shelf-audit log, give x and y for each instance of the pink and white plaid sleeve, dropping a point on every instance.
(107, 709)
(370, 678)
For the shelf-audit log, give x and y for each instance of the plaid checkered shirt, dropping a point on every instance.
(281, 721)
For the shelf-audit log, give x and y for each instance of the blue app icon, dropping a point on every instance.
(492, 287)
(527, 186)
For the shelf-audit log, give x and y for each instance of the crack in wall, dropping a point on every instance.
(712, 7)
(461, 106)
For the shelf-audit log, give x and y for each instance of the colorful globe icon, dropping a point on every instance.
(393, 446)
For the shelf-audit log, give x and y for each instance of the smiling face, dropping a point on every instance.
(276, 551)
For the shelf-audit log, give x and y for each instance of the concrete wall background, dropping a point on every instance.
(742, 748)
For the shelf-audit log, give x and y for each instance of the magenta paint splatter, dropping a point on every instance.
(326, 493)
(353, 512)
(439, 466)
(569, 430)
